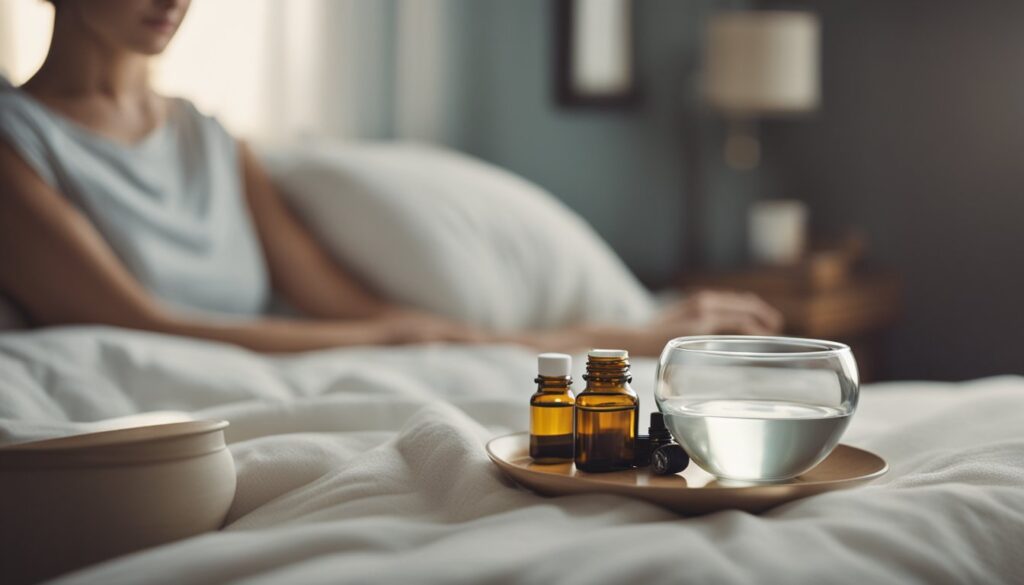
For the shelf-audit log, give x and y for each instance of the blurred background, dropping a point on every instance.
(853, 162)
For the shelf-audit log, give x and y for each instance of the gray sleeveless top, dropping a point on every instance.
(171, 206)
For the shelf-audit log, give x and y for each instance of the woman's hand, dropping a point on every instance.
(706, 313)
(701, 313)
(405, 325)
(716, 312)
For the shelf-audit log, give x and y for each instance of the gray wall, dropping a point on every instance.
(921, 143)
(622, 170)
(918, 143)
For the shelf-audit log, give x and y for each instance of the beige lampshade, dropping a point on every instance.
(762, 62)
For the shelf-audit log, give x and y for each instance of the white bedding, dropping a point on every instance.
(367, 464)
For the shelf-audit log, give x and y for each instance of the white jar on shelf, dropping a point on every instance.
(777, 231)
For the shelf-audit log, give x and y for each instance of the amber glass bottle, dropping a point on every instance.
(606, 413)
(551, 410)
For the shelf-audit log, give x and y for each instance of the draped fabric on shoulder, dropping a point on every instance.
(171, 205)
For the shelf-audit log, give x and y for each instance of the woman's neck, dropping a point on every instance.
(80, 64)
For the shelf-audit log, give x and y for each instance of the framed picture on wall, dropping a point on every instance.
(595, 64)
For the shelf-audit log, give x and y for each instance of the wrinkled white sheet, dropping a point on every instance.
(367, 464)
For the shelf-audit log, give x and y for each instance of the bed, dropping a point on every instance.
(367, 465)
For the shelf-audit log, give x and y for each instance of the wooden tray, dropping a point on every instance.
(692, 492)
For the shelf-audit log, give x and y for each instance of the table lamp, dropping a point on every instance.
(759, 63)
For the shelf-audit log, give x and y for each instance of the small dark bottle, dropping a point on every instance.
(606, 414)
(551, 409)
(657, 435)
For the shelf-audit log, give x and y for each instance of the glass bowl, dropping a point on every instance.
(756, 409)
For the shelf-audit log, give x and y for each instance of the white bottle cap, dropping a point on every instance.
(554, 364)
(608, 353)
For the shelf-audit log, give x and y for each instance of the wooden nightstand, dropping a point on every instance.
(857, 309)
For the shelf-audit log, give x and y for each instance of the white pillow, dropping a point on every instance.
(441, 231)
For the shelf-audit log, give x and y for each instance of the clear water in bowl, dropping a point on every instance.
(755, 440)
(757, 409)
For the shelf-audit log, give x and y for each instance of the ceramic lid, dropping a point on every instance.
(118, 447)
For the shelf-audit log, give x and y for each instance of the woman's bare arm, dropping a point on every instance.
(56, 265)
(300, 267)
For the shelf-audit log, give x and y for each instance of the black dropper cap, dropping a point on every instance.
(658, 431)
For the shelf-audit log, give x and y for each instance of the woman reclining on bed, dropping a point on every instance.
(122, 207)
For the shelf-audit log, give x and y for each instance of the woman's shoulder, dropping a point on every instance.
(26, 129)
(21, 119)
(5, 84)
(185, 108)
(14, 102)
(192, 116)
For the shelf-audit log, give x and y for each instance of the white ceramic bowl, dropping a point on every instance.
(74, 501)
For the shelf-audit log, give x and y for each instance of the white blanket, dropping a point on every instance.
(367, 464)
